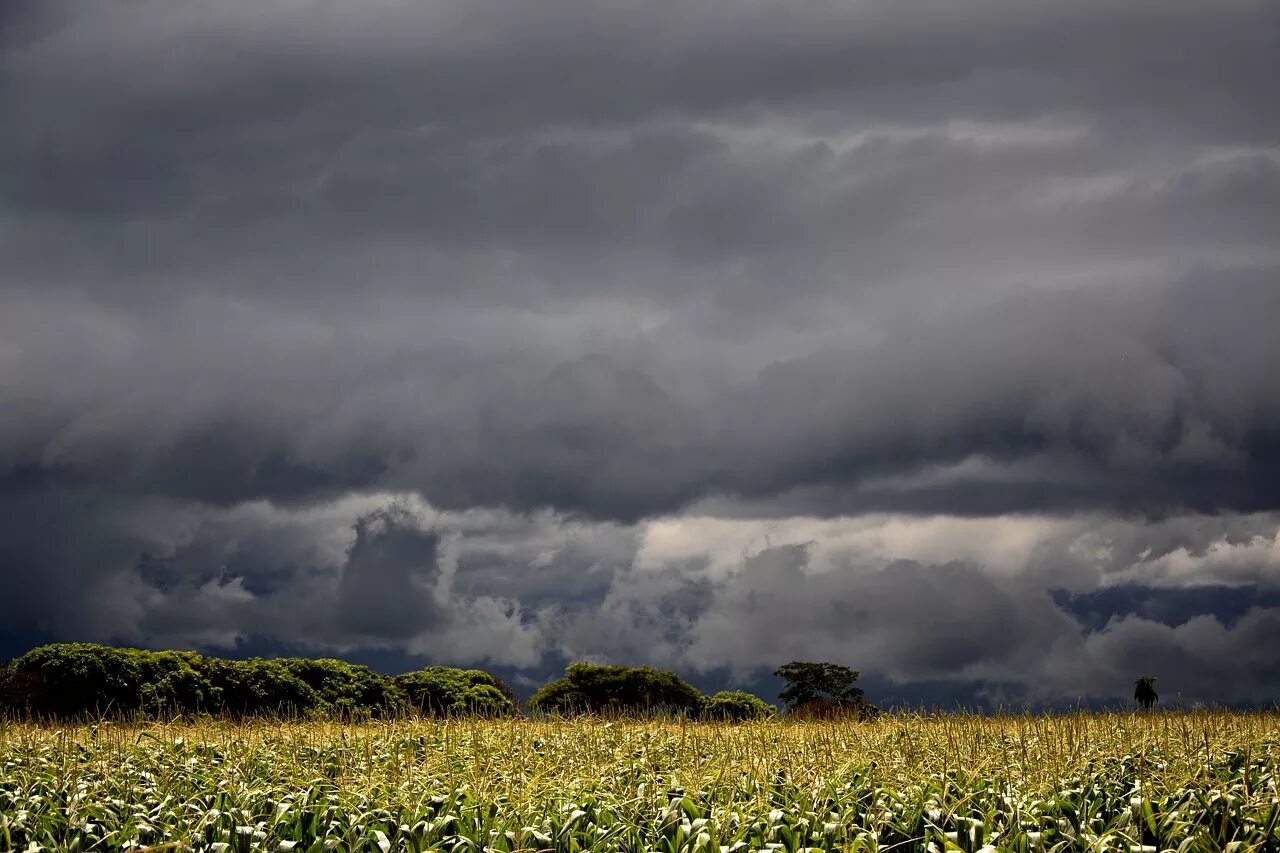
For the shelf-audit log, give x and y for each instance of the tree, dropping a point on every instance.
(735, 705)
(347, 689)
(82, 679)
(1144, 691)
(446, 691)
(85, 680)
(174, 682)
(596, 688)
(260, 687)
(818, 682)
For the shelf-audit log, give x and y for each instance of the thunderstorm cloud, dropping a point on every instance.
(934, 338)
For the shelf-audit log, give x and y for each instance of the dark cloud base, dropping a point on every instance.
(1171, 606)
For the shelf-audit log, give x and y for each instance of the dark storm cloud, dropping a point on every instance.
(359, 574)
(385, 589)
(1118, 394)
(558, 269)
(519, 63)
(1106, 399)
(1169, 606)
(711, 597)
(227, 133)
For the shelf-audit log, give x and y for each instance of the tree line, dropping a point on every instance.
(77, 680)
(86, 680)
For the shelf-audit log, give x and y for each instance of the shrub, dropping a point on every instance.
(347, 689)
(73, 679)
(446, 691)
(736, 705)
(245, 688)
(16, 689)
(83, 679)
(174, 683)
(600, 688)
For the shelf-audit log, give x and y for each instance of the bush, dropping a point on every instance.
(73, 679)
(174, 683)
(737, 705)
(348, 689)
(69, 680)
(257, 686)
(445, 691)
(16, 689)
(599, 688)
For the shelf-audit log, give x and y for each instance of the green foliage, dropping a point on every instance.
(601, 688)
(174, 682)
(736, 705)
(445, 691)
(16, 687)
(256, 686)
(72, 679)
(818, 682)
(347, 689)
(84, 680)
(1112, 783)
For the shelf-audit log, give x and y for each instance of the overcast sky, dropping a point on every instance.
(934, 338)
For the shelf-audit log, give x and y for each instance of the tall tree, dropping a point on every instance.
(818, 682)
(1144, 691)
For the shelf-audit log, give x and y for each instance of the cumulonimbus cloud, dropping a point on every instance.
(601, 265)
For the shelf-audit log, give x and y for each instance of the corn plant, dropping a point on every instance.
(1196, 781)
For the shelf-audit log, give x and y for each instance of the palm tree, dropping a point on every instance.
(1144, 691)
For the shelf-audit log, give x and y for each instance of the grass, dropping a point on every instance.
(1191, 781)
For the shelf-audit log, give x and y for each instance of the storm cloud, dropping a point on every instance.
(418, 326)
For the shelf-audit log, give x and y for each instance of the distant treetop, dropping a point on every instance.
(1144, 691)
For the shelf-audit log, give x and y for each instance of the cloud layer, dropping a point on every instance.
(417, 326)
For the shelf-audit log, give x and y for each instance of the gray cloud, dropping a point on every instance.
(597, 264)
(1068, 400)
(1032, 609)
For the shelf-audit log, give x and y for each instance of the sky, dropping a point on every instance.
(935, 339)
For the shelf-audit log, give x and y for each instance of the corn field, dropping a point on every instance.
(1193, 781)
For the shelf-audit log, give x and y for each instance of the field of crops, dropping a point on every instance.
(1181, 781)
